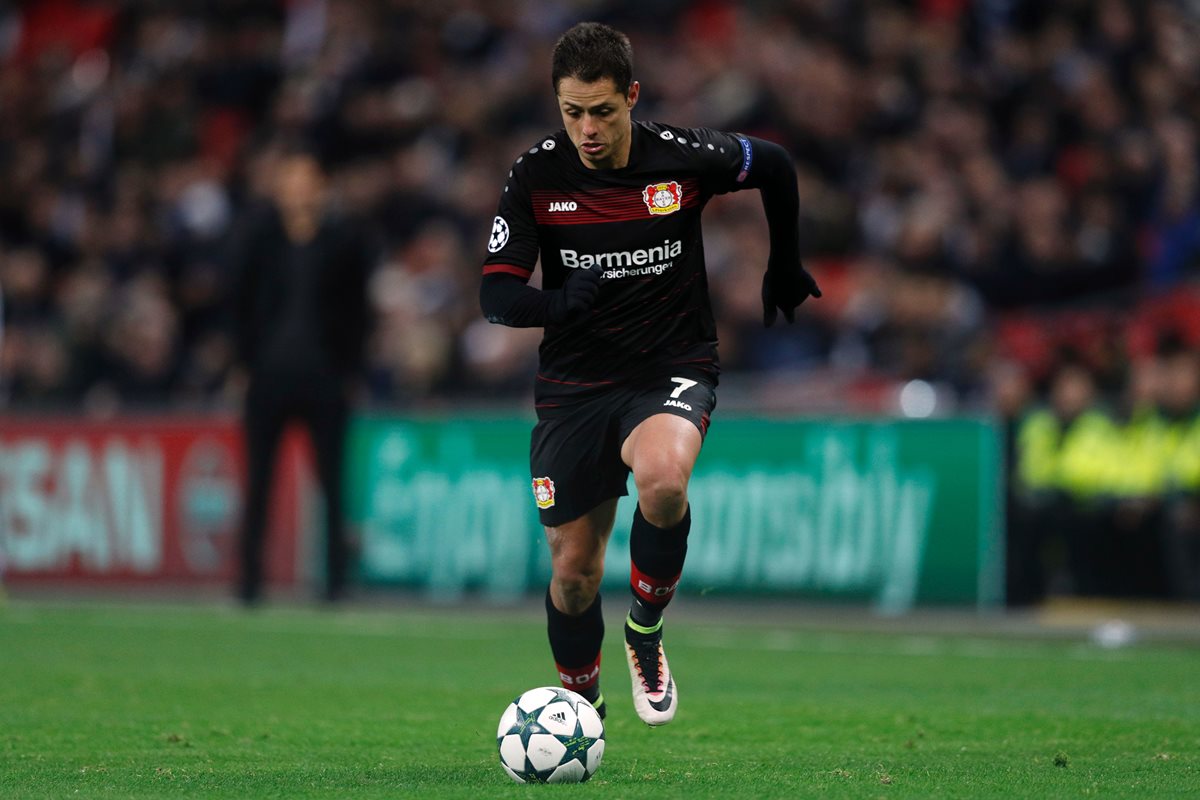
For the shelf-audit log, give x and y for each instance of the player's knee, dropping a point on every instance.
(577, 585)
(662, 495)
(577, 591)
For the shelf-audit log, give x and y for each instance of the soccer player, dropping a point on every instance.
(628, 362)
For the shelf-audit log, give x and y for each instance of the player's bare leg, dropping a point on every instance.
(575, 622)
(661, 451)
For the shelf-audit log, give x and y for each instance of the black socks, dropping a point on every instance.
(656, 556)
(575, 643)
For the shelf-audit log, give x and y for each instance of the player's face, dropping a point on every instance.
(597, 118)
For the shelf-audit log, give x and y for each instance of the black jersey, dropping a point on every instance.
(640, 225)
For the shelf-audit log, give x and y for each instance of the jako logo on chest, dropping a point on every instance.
(563, 205)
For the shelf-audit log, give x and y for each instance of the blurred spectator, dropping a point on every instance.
(1181, 531)
(301, 320)
(1062, 453)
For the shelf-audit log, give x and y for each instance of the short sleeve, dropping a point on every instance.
(512, 244)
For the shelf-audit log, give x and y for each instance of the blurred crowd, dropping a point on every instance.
(957, 161)
(973, 177)
(1104, 497)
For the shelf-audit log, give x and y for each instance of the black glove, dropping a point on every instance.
(784, 290)
(577, 295)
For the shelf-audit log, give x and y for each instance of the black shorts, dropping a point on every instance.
(575, 450)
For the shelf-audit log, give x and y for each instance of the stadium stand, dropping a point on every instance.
(987, 187)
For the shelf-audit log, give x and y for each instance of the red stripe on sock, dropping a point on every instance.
(577, 678)
(652, 590)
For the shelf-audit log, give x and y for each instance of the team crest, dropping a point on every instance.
(543, 492)
(663, 198)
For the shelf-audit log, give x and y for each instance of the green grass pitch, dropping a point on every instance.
(128, 701)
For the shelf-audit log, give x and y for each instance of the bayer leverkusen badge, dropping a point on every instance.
(663, 198)
(543, 492)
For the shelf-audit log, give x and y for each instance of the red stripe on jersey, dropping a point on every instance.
(602, 205)
(572, 383)
(656, 591)
(511, 269)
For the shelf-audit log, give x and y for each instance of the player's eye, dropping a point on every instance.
(574, 114)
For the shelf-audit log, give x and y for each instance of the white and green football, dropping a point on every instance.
(550, 735)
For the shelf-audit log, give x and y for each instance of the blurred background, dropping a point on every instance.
(1000, 198)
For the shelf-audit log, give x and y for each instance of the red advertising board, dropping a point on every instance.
(149, 501)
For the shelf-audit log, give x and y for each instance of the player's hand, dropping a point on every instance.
(578, 294)
(784, 291)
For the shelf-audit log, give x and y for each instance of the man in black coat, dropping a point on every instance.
(301, 324)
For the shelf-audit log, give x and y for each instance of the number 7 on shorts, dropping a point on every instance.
(684, 385)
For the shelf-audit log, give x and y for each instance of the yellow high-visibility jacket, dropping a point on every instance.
(1147, 444)
(1077, 458)
(1183, 472)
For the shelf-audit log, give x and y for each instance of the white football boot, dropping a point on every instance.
(654, 696)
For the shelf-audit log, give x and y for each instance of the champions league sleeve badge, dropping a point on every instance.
(663, 198)
(499, 235)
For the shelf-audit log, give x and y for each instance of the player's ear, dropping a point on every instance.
(632, 97)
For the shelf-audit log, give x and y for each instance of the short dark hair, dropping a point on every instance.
(592, 51)
(289, 147)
